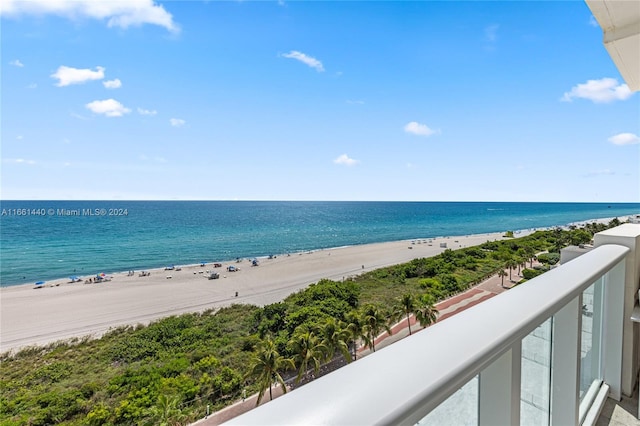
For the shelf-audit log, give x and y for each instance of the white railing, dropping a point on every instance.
(482, 348)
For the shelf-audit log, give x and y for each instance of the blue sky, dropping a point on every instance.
(258, 100)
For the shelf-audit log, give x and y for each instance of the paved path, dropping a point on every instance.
(491, 287)
(238, 408)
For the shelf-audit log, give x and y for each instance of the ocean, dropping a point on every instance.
(44, 240)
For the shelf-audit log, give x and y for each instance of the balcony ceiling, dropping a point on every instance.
(620, 23)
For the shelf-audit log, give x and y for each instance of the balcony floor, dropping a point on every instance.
(620, 413)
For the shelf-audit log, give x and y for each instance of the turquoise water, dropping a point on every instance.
(43, 240)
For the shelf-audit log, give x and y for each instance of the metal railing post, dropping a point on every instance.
(499, 390)
(565, 363)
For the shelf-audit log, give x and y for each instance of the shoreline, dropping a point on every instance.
(61, 310)
(56, 281)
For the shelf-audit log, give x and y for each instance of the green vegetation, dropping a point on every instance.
(163, 373)
(266, 366)
(168, 372)
(528, 274)
(549, 258)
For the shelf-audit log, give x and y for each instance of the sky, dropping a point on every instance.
(313, 100)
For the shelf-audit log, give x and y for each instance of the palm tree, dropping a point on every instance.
(561, 239)
(511, 264)
(521, 258)
(522, 266)
(266, 366)
(502, 274)
(166, 411)
(335, 338)
(374, 323)
(407, 307)
(307, 349)
(530, 253)
(426, 312)
(356, 330)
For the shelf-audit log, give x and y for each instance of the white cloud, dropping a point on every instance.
(602, 172)
(19, 137)
(604, 90)
(16, 63)
(416, 128)
(177, 122)
(68, 75)
(350, 102)
(121, 14)
(78, 116)
(305, 59)
(593, 22)
(624, 139)
(32, 86)
(491, 33)
(143, 111)
(345, 160)
(108, 107)
(112, 84)
(19, 161)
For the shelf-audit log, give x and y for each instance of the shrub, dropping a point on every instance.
(433, 283)
(549, 258)
(476, 252)
(528, 274)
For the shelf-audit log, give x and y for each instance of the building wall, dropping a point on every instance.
(627, 235)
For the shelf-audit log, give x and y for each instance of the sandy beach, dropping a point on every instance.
(63, 310)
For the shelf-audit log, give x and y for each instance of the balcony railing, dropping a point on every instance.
(542, 353)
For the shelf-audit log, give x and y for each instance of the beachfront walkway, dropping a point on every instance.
(447, 308)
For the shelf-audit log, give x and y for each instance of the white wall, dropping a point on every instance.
(627, 235)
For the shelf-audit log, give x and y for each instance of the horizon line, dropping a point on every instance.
(319, 200)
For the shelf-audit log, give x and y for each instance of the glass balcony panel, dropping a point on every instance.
(461, 408)
(536, 376)
(591, 347)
